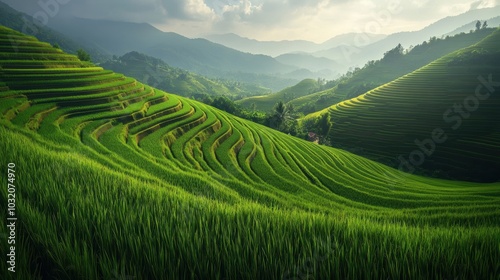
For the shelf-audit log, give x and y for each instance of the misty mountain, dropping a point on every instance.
(277, 48)
(351, 56)
(159, 74)
(197, 55)
(118, 38)
(297, 53)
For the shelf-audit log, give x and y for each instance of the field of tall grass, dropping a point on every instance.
(117, 180)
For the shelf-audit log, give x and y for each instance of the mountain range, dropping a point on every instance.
(234, 57)
(277, 48)
(343, 52)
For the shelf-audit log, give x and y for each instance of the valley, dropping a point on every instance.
(122, 164)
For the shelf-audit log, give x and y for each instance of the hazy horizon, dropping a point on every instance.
(274, 20)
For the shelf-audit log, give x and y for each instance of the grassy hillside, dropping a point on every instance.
(117, 180)
(157, 73)
(456, 96)
(266, 102)
(377, 73)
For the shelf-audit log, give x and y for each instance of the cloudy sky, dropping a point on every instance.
(314, 20)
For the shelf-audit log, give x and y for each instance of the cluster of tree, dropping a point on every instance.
(483, 26)
(318, 128)
(324, 84)
(478, 56)
(394, 54)
(82, 54)
(283, 118)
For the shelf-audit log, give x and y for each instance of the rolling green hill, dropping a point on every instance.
(157, 73)
(115, 179)
(266, 102)
(377, 73)
(456, 96)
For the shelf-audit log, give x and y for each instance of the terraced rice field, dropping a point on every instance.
(457, 100)
(118, 180)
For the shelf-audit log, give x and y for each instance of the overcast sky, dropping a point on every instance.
(314, 20)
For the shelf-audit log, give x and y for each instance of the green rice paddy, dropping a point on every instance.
(118, 180)
(454, 99)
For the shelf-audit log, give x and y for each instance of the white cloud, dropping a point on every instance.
(483, 4)
(198, 10)
(241, 10)
(419, 3)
